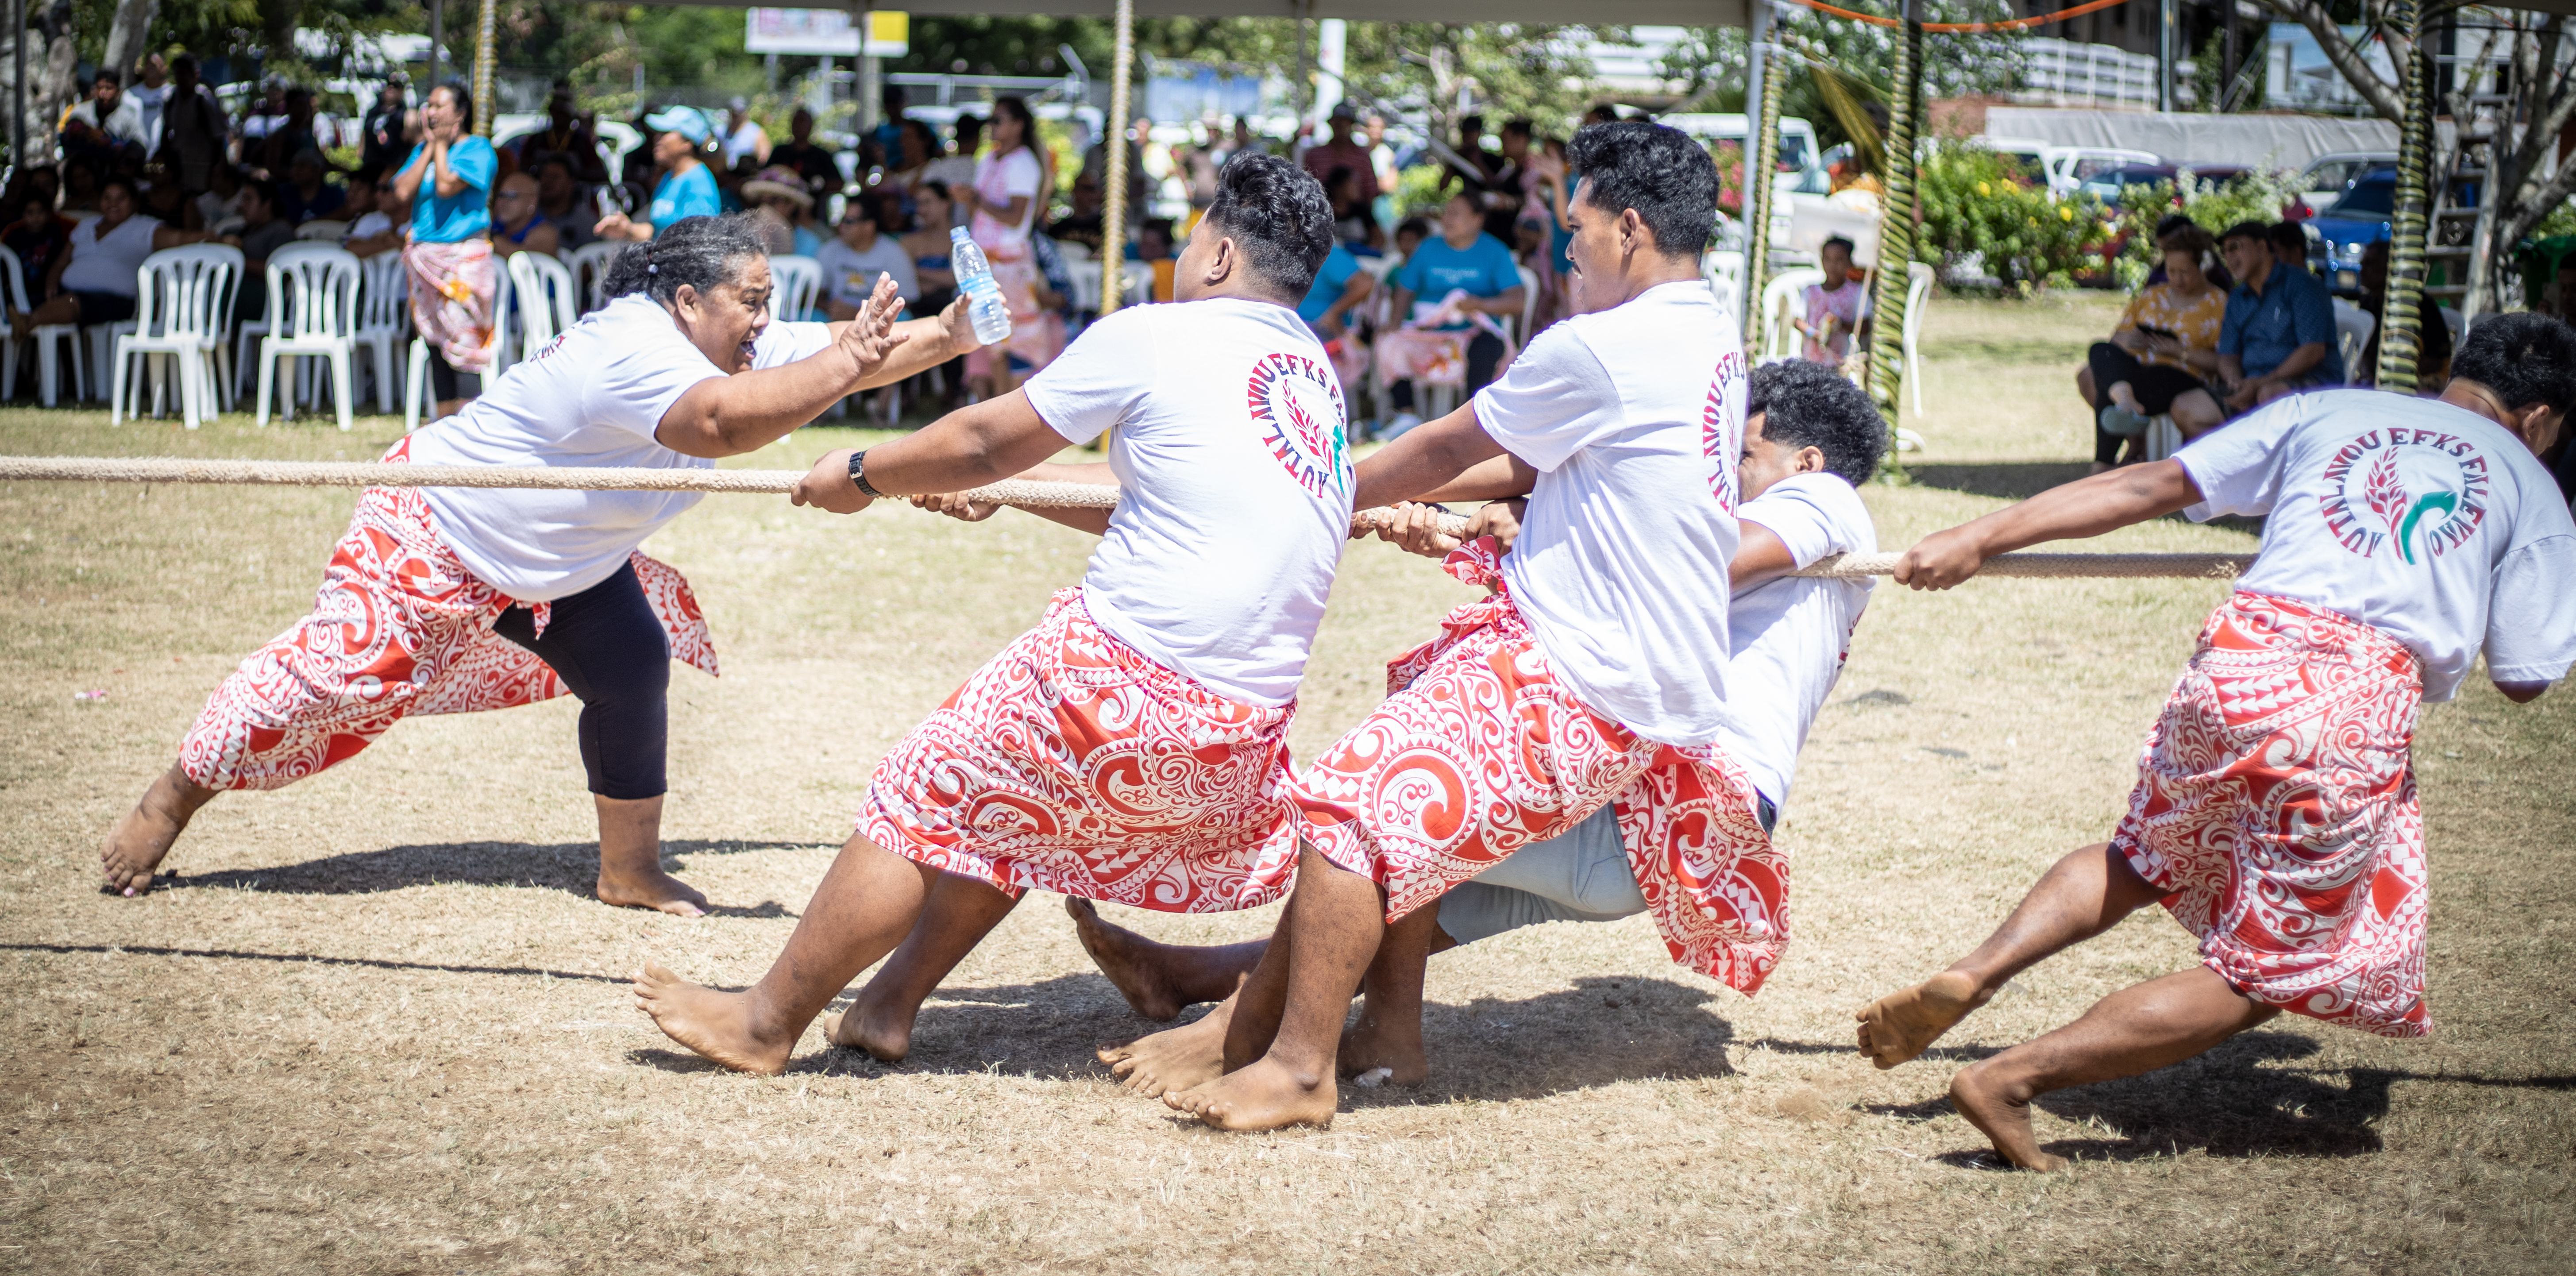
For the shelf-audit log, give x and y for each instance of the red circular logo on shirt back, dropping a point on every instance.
(1721, 432)
(1298, 402)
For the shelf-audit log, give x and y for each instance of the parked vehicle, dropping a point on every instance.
(2355, 220)
(2327, 177)
(2070, 167)
(1799, 152)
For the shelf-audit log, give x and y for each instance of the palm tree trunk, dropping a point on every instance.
(2400, 312)
(1896, 222)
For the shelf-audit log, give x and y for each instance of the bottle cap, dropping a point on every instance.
(957, 234)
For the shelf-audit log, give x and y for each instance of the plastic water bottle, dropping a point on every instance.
(984, 305)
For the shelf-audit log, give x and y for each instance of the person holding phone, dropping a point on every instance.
(2155, 363)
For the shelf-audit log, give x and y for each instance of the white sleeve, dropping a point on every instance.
(1554, 399)
(2531, 621)
(1808, 515)
(1100, 379)
(634, 390)
(1021, 173)
(785, 343)
(2238, 467)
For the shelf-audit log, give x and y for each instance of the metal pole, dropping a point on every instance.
(18, 86)
(1896, 225)
(1113, 215)
(486, 69)
(2402, 309)
(2166, 16)
(1761, 156)
(1301, 87)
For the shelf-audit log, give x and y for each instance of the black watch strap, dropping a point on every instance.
(859, 474)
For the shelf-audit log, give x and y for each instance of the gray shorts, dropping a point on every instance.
(1580, 875)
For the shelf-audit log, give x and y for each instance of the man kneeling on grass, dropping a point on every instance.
(2275, 811)
(1810, 437)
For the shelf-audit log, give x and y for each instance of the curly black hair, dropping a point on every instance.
(1654, 169)
(1277, 215)
(2525, 358)
(699, 252)
(1811, 405)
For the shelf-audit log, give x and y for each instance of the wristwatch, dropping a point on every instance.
(859, 474)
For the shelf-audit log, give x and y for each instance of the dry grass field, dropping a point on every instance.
(377, 1025)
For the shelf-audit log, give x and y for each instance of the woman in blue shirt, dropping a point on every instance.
(454, 278)
(687, 188)
(1469, 273)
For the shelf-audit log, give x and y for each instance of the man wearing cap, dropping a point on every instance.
(1343, 152)
(687, 189)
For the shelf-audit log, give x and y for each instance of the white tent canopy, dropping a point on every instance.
(1693, 13)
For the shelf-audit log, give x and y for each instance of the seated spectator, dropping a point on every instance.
(1081, 224)
(2290, 245)
(306, 194)
(559, 200)
(1446, 295)
(107, 129)
(776, 198)
(2432, 335)
(372, 228)
(263, 232)
(565, 134)
(1352, 222)
(93, 280)
(517, 225)
(1409, 235)
(81, 189)
(802, 155)
(1833, 308)
(1331, 305)
(219, 206)
(1154, 248)
(39, 236)
(859, 252)
(2164, 345)
(163, 201)
(2216, 270)
(2279, 334)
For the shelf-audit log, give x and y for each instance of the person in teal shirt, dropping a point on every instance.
(448, 180)
(1462, 258)
(687, 188)
(1339, 286)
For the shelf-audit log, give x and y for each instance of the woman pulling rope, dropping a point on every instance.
(444, 600)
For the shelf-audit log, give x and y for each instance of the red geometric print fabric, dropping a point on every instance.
(2276, 801)
(399, 627)
(1071, 763)
(1478, 751)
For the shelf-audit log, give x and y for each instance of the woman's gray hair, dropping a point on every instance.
(698, 252)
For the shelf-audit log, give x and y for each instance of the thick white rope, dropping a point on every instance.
(1018, 493)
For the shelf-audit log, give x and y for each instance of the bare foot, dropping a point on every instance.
(715, 1024)
(2004, 1116)
(1388, 1043)
(655, 890)
(1129, 960)
(1901, 1025)
(884, 1034)
(1175, 1059)
(141, 838)
(1262, 1096)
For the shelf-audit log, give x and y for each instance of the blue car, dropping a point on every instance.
(2352, 223)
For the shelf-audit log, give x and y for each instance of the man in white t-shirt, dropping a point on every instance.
(1809, 437)
(1595, 673)
(1133, 746)
(446, 600)
(2275, 812)
(858, 252)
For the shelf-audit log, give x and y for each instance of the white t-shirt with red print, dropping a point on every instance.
(2427, 522)
(1792, 634)
(1633, 418)
(1235, 486)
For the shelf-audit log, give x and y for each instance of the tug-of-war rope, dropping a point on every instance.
(1017, 493)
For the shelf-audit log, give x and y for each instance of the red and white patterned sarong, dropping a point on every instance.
(1071, 763)
(1478, 751)
(2276, 800)
(400, 627)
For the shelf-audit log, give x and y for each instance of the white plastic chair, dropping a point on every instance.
(547, 304)
(2353, 326)
(312, 313)
(1918, 291)
(49, 338)
(13, 301)
(323, 228)
(798, 281)
(384, 318)
(179, 298)
(1519, 334)
(1779, 297)
(589, 266)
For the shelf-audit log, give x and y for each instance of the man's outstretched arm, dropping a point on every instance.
(1426, 457)
(996, 439)
(2085, 507)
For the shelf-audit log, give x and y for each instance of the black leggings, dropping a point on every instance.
(446, 383)
(1484, 354)
(2155, 386)
(608, 646)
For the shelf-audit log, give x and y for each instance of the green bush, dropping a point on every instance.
(2213, 206)
(1977, 202)
(1421, 190)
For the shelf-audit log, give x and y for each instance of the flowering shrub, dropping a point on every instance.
(1978, 203)
(2214, 206)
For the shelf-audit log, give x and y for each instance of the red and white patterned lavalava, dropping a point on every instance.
(1071, 763)
(2276, 800)
(399, 627)
(1478, 751)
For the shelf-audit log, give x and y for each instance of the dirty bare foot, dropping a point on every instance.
(1175, 1059)
(655, 890)
(142, 837)
(883, 1031)
(1901, 1025)
(1994, 1107)
(1263, 1096)
(715, 1024)
(1392, 1042)
(1131, 961)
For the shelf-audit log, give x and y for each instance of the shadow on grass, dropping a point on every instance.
(310, 959)
(571, 867)
(2011, 480)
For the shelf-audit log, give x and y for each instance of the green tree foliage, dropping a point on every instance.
(2258, 196)
(1714, 67)
(1977, 202)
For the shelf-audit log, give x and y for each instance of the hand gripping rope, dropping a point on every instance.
(1017, 493)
